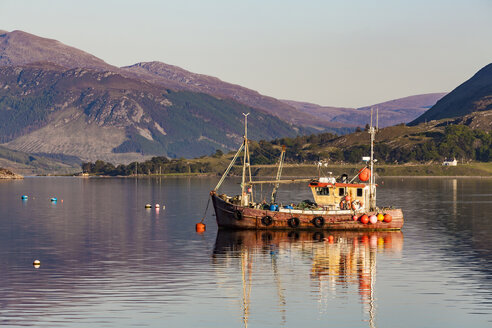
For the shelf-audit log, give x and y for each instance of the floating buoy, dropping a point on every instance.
(373, 219)
(24, 197)
(355, 218)
(364, 174)
(380, 217)
(387, 218)
(157, 206)
(331, 239)
(364, 219)
(36, 263)
(148, 206)
(200, 227)
(54, 199)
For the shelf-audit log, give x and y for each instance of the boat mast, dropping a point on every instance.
(372, 192)
(279, 173)
(244, 197)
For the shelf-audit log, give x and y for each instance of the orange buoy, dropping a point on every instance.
(200, 227)
(380, 217)
(364, 219)
(387, 218)
(364, 174)
(355, 218)
(330, 239)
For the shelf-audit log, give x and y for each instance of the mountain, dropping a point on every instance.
(20, 48)
(91, 114)
(179, 79)
(472, 96)
(59, 101)
(391, 112)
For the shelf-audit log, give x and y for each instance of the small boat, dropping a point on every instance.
(339, 203)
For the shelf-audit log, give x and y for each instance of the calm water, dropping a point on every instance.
(108, 262)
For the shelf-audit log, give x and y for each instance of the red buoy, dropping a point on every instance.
(355, 218)
(364, 174)
(200, 227)
(387, 218)
(364, 219)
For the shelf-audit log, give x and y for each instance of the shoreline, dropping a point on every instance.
(285, 177)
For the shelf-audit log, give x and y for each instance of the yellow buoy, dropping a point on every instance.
(148, 206)
(36, 263)
(380, 217)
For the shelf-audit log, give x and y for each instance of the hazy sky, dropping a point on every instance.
(332, 52)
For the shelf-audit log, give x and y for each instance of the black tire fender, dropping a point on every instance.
(238, 215)
(318, 222)
(266, 220)
(293, 222)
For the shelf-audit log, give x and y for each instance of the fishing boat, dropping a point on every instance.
(339, 203)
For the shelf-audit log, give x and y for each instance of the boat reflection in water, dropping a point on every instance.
(335, 259)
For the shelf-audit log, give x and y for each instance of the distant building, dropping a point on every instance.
(454, 162)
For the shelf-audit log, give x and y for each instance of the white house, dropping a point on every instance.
(454, 162)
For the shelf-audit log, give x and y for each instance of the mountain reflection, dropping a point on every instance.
(338, 260)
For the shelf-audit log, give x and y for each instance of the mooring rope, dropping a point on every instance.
(205, 214)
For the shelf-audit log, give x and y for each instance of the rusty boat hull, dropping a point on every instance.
(237, 217)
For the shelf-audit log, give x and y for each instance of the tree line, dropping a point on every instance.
(457, 141)
(156, 165)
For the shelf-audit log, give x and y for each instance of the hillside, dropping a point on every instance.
(421, 149)
(390, 112)
(20, 48)
(61, 102)
(472, 96)
(465, 139)
(7, 174)
(91, 114)
(31, 164)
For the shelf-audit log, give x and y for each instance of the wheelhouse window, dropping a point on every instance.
(359, 192)
(341, 191)
(324, 191)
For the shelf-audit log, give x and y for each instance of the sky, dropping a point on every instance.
(347, 53)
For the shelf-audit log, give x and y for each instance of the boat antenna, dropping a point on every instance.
(279, 173)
